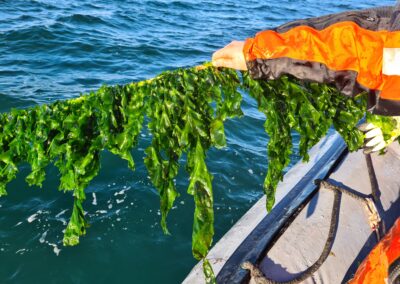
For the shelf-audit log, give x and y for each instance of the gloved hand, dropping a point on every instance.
(380, 132)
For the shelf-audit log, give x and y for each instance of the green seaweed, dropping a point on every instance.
(186, 111)
(308, 108)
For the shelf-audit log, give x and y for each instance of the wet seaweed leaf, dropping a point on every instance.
(76, 226)
(200, 187)
(307, 108)
(208, 272)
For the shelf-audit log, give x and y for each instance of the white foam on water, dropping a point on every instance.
(61, 213)
(94, 202)
(21, 251)
(121, 192)
(33, 217)
(19, 223)
(56, 250)
(43, 237)
(119, 201)
(251, 171)
(101, 211)
(62, 220)
(109, 206)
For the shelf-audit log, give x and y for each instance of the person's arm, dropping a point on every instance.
(388, 99)
(355, 51)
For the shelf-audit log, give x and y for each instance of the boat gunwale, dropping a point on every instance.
(272, 226)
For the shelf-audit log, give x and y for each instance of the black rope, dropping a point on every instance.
(356, 195)
(258, 276)
(360, 197)
(376, 193)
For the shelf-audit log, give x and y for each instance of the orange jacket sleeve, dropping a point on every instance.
(354, 51)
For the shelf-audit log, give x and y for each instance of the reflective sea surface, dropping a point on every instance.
(51, 50)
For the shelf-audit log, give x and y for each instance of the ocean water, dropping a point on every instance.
(51, 50)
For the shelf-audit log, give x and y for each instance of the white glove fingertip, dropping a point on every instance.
(374, 132)
(378, 147)
(366, 126)
(375, 141)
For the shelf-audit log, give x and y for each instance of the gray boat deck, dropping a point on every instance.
(302, 243)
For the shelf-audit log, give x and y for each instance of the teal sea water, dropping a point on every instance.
(52, 50)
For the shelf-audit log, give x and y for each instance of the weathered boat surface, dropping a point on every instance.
(283, 251)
